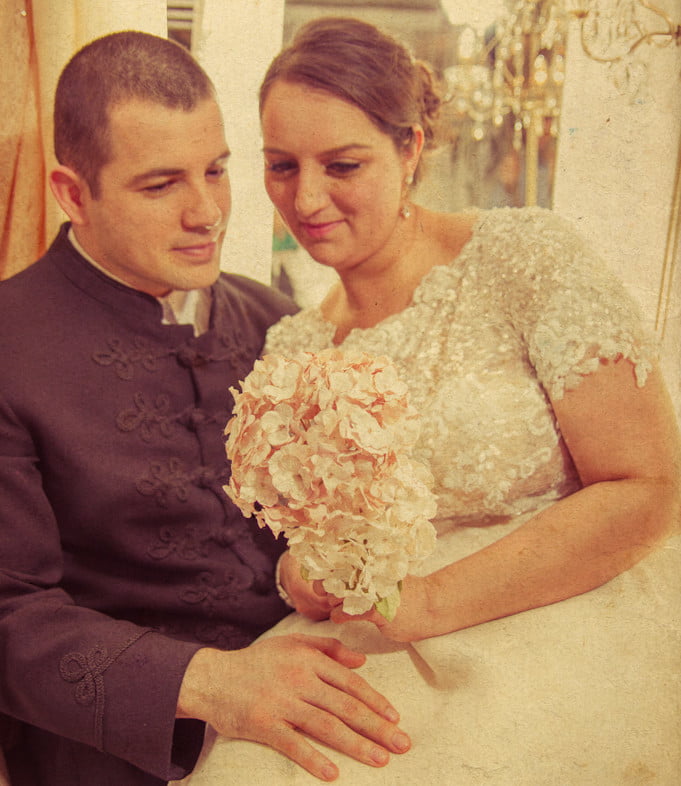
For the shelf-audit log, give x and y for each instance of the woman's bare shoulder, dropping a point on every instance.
(449, 231)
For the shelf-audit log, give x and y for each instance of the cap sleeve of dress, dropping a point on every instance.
(570, 309)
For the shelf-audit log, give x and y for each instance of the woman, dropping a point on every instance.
(540, 644)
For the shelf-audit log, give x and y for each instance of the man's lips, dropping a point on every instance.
(201, 252)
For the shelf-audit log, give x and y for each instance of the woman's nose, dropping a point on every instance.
(311, 195)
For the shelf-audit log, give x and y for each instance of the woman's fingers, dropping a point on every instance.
(318, 587)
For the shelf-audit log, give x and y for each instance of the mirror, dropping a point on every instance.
(503, 62)
(620, 163)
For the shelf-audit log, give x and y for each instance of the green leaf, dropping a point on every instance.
(387, 607)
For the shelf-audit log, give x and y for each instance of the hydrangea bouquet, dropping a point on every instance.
(320, 446)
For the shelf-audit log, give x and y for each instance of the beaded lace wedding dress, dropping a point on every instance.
(583, 692)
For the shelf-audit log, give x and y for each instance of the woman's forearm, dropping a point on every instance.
(576, 545)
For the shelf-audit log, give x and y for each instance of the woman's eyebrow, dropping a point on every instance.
(334, 151)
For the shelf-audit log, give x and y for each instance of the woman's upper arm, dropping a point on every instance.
(616, 429)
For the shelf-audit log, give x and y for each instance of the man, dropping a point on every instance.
(130, 587)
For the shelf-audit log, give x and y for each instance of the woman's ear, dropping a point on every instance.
(414, 148)
(71, 191)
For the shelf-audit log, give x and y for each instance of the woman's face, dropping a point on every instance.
(335, 178)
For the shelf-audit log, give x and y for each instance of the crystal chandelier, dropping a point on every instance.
(516, 66)
(512, 69)
(512, 72)
(613, 32)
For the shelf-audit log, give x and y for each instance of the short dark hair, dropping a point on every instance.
(111, 70)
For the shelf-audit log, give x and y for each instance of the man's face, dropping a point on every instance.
(164, 200)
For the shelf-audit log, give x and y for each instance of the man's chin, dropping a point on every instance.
(200, 278)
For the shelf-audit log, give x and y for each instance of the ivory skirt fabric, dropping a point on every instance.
(586, 692)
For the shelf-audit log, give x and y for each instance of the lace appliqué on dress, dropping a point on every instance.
(520, 316)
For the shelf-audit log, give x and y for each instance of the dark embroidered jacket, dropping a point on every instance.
(119, 552)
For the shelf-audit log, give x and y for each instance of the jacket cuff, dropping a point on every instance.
(139, 723)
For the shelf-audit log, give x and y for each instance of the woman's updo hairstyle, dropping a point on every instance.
(358, 63)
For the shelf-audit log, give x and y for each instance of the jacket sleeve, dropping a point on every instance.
(68, 669)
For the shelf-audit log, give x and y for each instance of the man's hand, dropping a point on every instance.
(278, 690)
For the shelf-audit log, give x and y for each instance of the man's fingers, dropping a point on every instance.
(352, 699)
(364, 710)
(291, 743)
(293, 686)
(335, 718)
(347, 682)
(334, 648)
(327, 728)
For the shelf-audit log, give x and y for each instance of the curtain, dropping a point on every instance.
(22, 174)
(39, 38)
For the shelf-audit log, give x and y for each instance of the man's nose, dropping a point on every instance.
(203, 210)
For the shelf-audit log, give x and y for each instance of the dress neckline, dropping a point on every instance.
(419, 291)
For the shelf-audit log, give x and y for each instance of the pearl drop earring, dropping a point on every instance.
(405, 212)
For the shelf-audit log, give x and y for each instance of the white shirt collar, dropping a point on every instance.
(191, 307)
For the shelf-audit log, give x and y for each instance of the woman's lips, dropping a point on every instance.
(319, 231)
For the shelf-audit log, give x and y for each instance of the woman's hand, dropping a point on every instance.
(311, 604)
(311, 599)
(411, 622)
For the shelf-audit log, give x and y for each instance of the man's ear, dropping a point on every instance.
(72, 193)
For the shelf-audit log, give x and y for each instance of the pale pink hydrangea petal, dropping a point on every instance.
(276, 425)
(320, 447)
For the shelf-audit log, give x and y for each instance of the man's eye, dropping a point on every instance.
(158, 188)
(216, 172)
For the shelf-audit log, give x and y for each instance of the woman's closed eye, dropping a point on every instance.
(333, 168)
(342, 168)
(281, 167)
